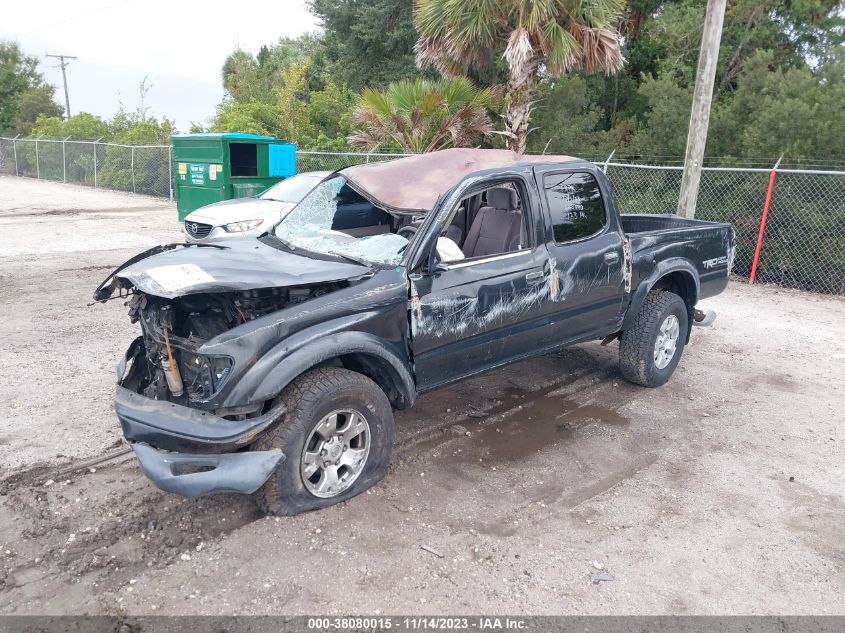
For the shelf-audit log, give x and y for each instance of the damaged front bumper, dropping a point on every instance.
(180, 473)
(191, 452)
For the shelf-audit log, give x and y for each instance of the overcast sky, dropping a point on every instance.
(181, 46)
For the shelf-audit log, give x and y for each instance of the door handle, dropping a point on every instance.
(534, 277)
(611, 258)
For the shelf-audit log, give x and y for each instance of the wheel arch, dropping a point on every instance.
(357, 351)
(674, 275)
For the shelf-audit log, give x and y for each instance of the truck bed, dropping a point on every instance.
(708, 246)
(641, 223)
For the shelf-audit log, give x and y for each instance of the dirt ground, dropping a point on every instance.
(722, 492)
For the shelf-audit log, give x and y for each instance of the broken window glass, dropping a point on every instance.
(309, 226)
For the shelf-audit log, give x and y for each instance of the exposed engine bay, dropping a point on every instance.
(173, 330)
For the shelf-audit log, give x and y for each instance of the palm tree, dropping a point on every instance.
(534, 37)
(422, 115)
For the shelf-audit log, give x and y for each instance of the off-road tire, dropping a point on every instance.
(636, 345)
(309, 398)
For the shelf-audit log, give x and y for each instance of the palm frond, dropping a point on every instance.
(422, 115)
(520, 55)
(561, 49)
(559, 35)
(601, 50)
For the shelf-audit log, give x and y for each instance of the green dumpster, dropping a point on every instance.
(209, 168)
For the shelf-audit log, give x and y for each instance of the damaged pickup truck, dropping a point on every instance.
(272, 365)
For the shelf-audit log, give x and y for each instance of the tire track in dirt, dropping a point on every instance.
(100, 518)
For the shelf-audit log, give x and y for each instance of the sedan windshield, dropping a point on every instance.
(334, 219)
(291, 189)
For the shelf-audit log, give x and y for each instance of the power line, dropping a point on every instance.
(64, 65)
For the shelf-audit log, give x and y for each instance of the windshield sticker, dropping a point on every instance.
(175, 278)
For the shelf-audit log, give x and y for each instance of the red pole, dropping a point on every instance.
(772, 176)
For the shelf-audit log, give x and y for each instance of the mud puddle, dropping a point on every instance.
(535, 422)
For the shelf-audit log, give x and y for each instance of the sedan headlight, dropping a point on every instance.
(242, 227)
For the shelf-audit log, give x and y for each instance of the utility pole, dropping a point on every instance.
(63, 65)
(700, 113)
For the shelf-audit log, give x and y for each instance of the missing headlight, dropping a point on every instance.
(205, 375)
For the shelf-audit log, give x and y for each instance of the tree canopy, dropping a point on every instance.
(541, 37)
(779, 84)
(422, 115)
(23, 94)
(368, 43)
(285, 91)
(778, 81)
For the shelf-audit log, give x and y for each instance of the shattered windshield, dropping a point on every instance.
(334, 219)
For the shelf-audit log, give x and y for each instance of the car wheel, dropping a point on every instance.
(651, 348)
(337, 437)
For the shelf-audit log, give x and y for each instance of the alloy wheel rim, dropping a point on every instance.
(335, 453)
(667, 341)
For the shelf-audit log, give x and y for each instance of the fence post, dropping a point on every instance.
(752, 277)
(94, 145)
(64, 160)
(133, 169)
(37, 166)
(604, 168)
(15, 150)
(170, 168)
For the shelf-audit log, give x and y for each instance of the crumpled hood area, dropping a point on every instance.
(244, 264)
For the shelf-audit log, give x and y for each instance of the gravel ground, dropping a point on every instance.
(719, 493)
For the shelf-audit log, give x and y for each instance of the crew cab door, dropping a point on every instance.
(479, 311)
(586, 244)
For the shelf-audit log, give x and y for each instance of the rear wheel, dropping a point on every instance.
(337, 438)
(651, 348)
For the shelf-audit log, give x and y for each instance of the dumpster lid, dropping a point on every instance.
(235, 136)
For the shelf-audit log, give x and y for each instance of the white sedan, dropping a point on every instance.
(249, 217)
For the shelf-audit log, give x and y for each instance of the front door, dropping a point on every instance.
(476, 312)
(472, 317)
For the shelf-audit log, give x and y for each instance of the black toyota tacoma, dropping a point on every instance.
(272, 365)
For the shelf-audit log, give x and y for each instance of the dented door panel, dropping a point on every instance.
(591, 287)
(593, 273)
(474, 316)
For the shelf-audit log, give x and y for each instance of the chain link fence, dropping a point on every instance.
(803, 245)
(804, 241)
(141, 169)
(331, 161)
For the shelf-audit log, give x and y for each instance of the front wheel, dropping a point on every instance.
(337, 437)
(651, 348)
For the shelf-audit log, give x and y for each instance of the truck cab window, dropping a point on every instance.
(575, 205)
(489, 222)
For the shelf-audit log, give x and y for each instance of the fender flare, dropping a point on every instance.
(398, 383)
(663, 268)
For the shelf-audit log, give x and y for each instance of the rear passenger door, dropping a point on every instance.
(586, 246)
